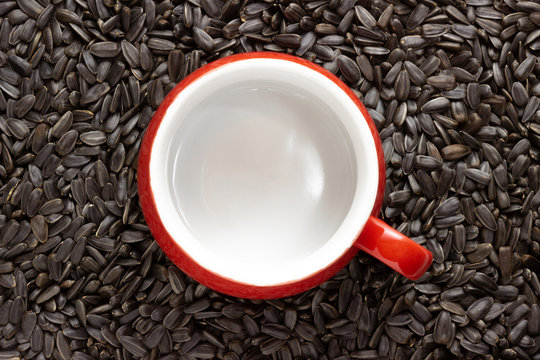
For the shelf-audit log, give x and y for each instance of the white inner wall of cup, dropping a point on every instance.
(264, 197)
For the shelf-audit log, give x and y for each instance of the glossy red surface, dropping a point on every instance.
(394, 249)
(228, 286)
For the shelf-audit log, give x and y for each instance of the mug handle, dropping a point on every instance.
(394, 249)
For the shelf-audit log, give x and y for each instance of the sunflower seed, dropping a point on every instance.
(364, 17)
(444, 329)
(417, 16)
(202, 39)
(132, 345)
(486, 217)
(525, 68)
(436, 105)
(288, 40)
(105, 49)
(348, 68)
(95, 93)
(455, 152)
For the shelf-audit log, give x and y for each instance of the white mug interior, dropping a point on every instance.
(264, 171)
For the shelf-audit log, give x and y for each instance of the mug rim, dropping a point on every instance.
(180, 256)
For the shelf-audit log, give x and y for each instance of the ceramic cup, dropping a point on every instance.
(260, 175)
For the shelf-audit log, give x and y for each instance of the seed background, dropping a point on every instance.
(452, 88)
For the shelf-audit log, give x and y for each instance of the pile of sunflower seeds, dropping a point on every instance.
(453, 88)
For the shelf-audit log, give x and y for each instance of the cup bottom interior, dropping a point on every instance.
(263, 171)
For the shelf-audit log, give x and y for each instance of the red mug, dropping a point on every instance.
(260, 176)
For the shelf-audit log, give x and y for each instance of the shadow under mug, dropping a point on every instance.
(260, 176)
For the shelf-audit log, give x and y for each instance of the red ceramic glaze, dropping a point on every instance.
(377, 238)
(394, 249)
